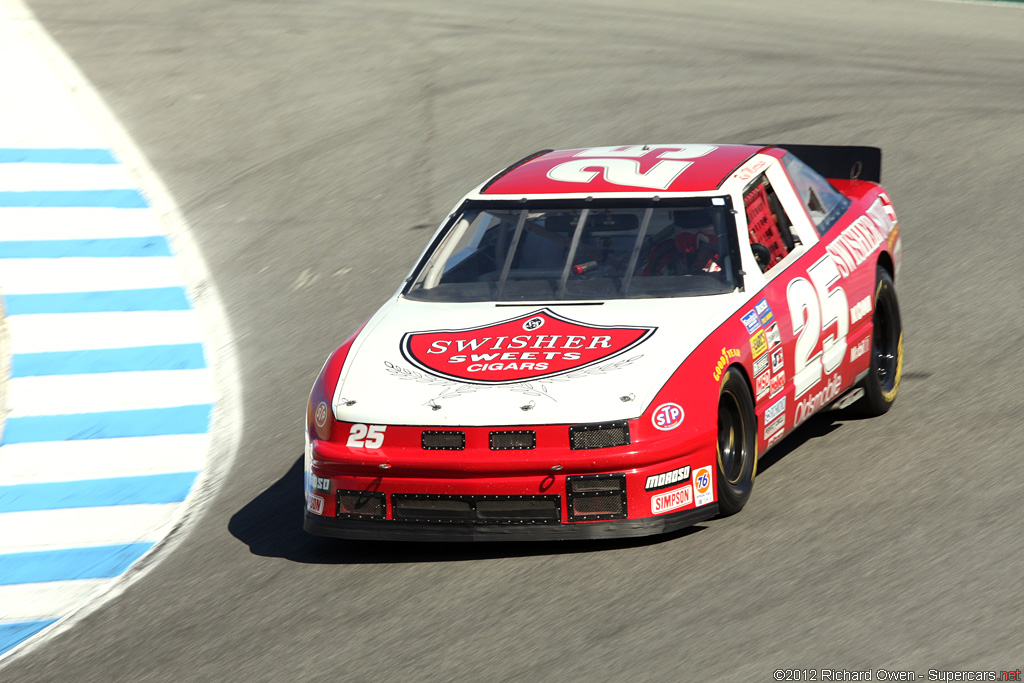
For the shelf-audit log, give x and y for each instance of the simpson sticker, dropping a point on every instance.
(751, 322)
(320, 415)
(778, 381)
(774, 410)
(315, 504)
(762, 383)
(760, 364)
(758, 343)
(671, 500)
(777, 360)
(667, 416)
(532, 346)
(665, 479)
(764, 312)
(723, 362)
(702, 486)
(773, 336)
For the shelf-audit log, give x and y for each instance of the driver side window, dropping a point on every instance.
(768, 224)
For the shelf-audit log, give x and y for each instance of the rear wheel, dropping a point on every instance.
(737, 443)
(882, 383)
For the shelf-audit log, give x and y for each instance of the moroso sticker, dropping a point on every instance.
(532, 346)
(751, 322)
(761, 383)
(758, 343)
(322, 484)
(660, 481)
(671, 500)
(667, 416)
(702, 486)
(773, 336)
(764, 312)
(760, 364)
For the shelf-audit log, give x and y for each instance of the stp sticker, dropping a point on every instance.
(667, 416)
(315, 504)
(671, 500)
(320, 415)
(513, 350)
(702, 486)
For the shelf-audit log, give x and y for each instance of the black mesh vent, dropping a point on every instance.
(604, 435)
(596, 496)
(517, 440)
(360, 504)
(433, 440)
(412, 507)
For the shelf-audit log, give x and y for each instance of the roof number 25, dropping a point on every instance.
(822, 307)
(621, 165)
(369, 436)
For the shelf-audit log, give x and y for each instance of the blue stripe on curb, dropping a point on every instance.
(157, 299)
(87, 362)
(15, 632)
(112, 199)
(154, 245)
(56, 155)
(103, 562)
(193, 419)
(153, 489)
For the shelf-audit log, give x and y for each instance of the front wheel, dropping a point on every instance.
(737, 443)
(882, 383)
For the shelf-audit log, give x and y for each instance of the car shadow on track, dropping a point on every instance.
(271, 525)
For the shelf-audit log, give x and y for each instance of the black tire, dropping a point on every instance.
(737, 443)
(882, 383)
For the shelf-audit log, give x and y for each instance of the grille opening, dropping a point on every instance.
(411, 507)
(360, 504)
(513, 440)
(607, 435)
(596, 496)
(436, 440)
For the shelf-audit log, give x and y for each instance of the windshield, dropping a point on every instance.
(544, 250)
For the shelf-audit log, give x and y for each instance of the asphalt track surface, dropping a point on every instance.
(313, 145)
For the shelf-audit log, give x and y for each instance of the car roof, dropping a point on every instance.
(626, 168)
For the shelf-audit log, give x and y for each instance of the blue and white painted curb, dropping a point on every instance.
(121, 397)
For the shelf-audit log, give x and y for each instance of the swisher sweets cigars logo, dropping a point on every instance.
(531, 346)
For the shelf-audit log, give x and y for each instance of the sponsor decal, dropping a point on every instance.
(320, 415)
(762, 383)
(860, 349)
(322, 484)
(764, 312)
(778, 381)
(702, 486)
(660, 481)
(671, 500)
(723, 362)
(667, 416)
(860, 309)
(811, 404)
(775, 427)
(773, 336)
(777, 360)
(760, 364)
(315, 504)
(774, 410)
(531, 346)
(775, 437)
(748, 172)
(751, 322)
(758, 343)
(857, 242)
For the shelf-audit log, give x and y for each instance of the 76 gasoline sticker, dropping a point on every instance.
(702, 486)
(667, 416)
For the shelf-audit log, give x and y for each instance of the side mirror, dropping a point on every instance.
(762, 256)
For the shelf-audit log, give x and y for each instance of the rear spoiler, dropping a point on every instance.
(840, 162)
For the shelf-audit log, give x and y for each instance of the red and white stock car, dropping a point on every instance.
(602, 342)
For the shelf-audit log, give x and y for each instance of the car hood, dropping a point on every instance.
(464, 364)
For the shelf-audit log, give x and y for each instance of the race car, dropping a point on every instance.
(602, 342)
